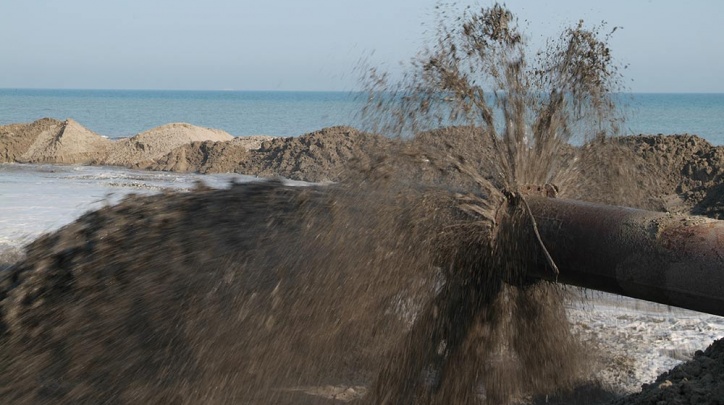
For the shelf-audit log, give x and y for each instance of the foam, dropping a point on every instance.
(39, 198)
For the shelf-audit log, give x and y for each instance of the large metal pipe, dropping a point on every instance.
(670, 259)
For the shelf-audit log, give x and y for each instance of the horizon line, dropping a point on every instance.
(291, 91)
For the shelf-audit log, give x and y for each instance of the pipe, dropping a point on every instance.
(670, 259)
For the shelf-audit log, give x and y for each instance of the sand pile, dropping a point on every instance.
(15, 139)
(52, 141)
(664, 173)
(204, 157)
(686, 166)
(324, 155)
(318, 156)
(155, 143)
(690, 165)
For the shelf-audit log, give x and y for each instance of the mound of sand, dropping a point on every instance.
(67, 142)
(323, 155)
(156, 143)
(52, 141)
(209, 156)
(71, 144)
(674, 173)
(689, 165)
(15, 139)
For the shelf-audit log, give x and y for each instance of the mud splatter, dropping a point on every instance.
(397, 278)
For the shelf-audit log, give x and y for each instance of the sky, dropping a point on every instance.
(669, 46)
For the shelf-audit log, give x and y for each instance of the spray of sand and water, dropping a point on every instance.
(399, 281)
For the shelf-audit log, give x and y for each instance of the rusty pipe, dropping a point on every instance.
(670, 259)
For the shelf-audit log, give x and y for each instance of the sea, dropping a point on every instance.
(39, 198)
(122, 113)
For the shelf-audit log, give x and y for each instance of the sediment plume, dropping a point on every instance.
(180, 298)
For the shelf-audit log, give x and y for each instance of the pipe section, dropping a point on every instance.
(670, 259)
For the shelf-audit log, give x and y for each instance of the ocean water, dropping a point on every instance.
(119, 113)
(651, 113)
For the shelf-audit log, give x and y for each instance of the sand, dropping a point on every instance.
(52, 141)
(319, 156)
(323, 155)
(157, 142)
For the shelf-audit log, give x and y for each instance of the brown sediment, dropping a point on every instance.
(219, 296)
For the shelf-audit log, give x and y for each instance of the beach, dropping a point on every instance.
(634, 341)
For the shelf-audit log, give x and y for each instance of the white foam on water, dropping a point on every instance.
(640, 339)
(36, 198)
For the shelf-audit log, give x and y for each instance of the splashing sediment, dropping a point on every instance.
(408, 277)
(488, 336)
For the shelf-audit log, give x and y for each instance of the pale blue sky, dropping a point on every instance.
(670, 46)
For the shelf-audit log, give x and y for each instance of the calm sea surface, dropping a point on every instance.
(117, 113)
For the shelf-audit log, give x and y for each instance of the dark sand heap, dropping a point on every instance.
(324, 155)
(698, 381)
